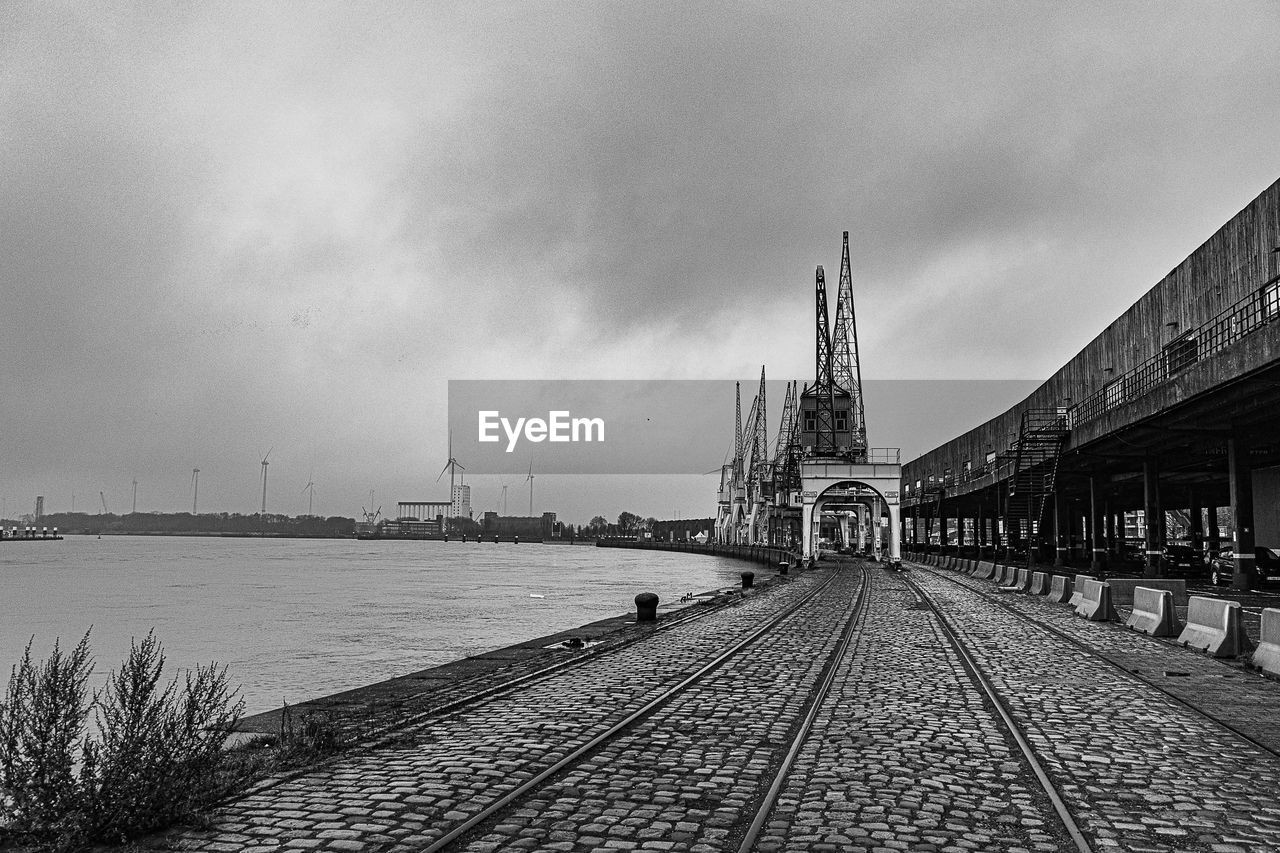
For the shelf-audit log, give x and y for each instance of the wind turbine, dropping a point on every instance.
(264, 482)
(195, 488)
(451, 466)
(310, 487)
(504, 498)
(529, 480)
(135, 497)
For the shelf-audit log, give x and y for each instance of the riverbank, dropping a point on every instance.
(376, 706)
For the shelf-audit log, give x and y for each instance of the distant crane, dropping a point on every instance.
(451, 466)
(529, 480)
(195, 488)
(103, 495)
(135, 497)
(311, 488)
(264, 482)
(504, 498)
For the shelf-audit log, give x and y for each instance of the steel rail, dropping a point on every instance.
(617, 728)
(383, 735)
(1102, 656)
(984, 683)
(818, 697)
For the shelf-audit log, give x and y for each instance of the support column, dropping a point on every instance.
(806, 530)
(1097, 548)
(895, 546)
(1196, 513)
(1155, 518)
(1061, 529)
(980, 532)
(1240, 478)
(943, 538)
(1215, 535)
(875, 528)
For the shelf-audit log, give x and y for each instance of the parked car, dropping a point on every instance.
(1222, 566)
(1183, 560)
(1266, 565)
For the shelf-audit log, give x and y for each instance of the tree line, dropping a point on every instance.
(210, 523)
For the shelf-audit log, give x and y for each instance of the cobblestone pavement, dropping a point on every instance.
(444, 770)
(1139, 771)
(1247, 700)
(687, 776)
(907, 755)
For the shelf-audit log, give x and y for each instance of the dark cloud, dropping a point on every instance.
(228, 227)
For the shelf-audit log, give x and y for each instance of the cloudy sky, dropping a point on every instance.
(226, 228)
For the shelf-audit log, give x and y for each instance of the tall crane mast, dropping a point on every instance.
(847, 371)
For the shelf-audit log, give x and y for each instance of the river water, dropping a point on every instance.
(294, 619)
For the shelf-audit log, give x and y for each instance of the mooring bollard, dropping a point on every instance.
(748, 579)
(784, 567)
(646, 607)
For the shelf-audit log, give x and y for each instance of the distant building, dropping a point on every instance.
(684, 530)
(524, 526)
(461, 507)
(423, 510)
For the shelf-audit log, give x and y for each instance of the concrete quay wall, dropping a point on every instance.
(381, 704)
(752, 553)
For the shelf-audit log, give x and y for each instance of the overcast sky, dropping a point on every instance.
(226, 228)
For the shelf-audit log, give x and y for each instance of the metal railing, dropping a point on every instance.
(1212, 337)
(1229, 327)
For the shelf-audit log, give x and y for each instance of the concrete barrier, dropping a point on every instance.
(1039, 583)
(1214, 626)
(1267, 655)
(1023, 581)
(1122, 588)
(1061, 589)
(1154, 612)
(984, 570)
(1008, 575)
(1095, 602)
(1077, 587)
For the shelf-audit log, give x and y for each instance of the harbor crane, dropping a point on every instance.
(103, 496)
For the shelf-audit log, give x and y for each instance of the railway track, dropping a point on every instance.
(983, 682)
(384, 723)
(1129, 760)
(856, 709)
(624, 743)
(1111, 662)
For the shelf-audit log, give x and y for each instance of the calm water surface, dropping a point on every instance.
(295, 619)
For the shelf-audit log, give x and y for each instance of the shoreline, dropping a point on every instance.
(438, 680)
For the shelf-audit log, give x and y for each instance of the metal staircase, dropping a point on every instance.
(1040, 439)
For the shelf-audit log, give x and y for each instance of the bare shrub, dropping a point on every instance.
(42, 723)
(155, 759)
